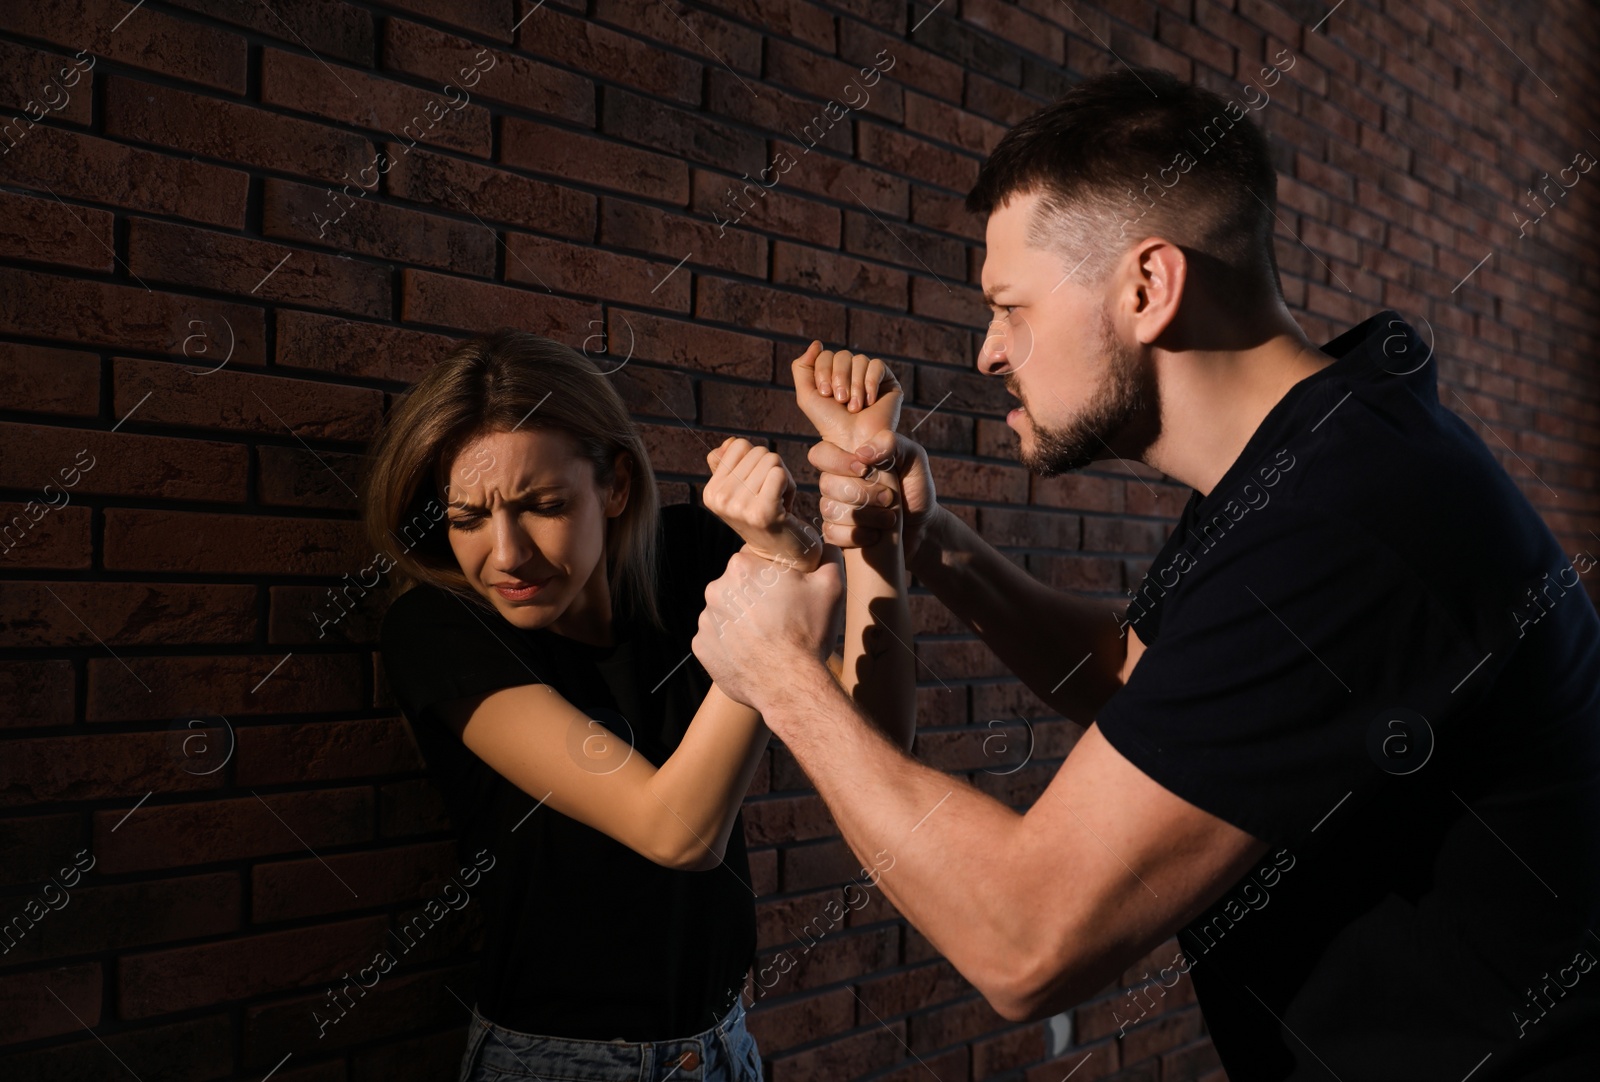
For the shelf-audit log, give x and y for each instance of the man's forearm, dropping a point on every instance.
(1039, 633)
(940, 845)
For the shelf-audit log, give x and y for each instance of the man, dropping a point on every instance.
(1345, 739)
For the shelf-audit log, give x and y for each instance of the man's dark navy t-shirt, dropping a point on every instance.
(584, 938)
(1366, 648)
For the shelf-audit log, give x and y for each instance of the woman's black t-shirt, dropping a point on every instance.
(584, 938)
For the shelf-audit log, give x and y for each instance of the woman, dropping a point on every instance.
(541, 655)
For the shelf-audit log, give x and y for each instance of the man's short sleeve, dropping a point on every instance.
(1284, 651)
(437, 646)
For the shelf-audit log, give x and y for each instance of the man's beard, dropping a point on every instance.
(1112, 408)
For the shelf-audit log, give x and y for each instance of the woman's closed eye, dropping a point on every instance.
(469, 522)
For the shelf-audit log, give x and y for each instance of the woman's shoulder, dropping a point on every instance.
(425, 609)
(695, 547)
(695, 543)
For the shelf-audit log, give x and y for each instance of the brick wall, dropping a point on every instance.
(237, 230)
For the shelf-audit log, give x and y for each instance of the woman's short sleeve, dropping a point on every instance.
(437, 646)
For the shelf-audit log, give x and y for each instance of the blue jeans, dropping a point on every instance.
(724, 1053)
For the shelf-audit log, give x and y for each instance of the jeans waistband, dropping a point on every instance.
(536, 1054)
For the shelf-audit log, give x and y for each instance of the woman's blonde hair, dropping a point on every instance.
(501, 382)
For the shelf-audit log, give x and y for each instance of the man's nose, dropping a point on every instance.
(992, 354)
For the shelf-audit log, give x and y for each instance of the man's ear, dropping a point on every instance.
(621, 485)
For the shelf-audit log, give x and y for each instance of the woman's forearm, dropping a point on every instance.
(703, 782)
(879, 664)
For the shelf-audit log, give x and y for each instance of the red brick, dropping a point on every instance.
(144, 540)
(360, 222)
(779, 111)
(681, 132)
(157, 42)
(952, 1024)
(169, 835)
(164, 687)
(26, 75)
(718, 40)
(161, 982)
(779, 311)
(910, 990)
(79, 461)
(488, 194)
(650, 391)
(677, 448)
(127, 317)
(652, 229)
(134, 915)
(31, 1002)
(287, 889)
(691, 346)
(580, 43)
(929, 116)
(135, 613)
(162, 252)
(238, 401)
(860, 184)
(832, 81)
(1017, 27)
(780, 1026)
(480, 307)
(439, 117)
(36, 693)
(366, 350)
(198, 1048)
(1081, 1064)
(47, 769)
(331, 28)
(570, 155)
(324, 751)
(913, 66)
(490, 18)
(514, 80)
(946, 213)
(738, 207)
(776, 819)
(730, 405)
(298, 477)
(234, 132)
(817, 271)
(917, 250)
(39, 379)
(849, 1056)
(79, 166)
(791, 18)
(1079, 492)
(569, 268)
(1002, 103)
(898, 336)
(949, 301)
(35, 534)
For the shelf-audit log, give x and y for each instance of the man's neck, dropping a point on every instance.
(1212, 402)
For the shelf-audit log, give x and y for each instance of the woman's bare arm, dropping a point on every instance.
(846, 394)
(679, 814)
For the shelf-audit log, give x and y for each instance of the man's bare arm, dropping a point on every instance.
(1039, 911)
(1066, 649)
(1069, 650)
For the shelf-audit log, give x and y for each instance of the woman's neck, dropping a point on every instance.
(588, 619)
